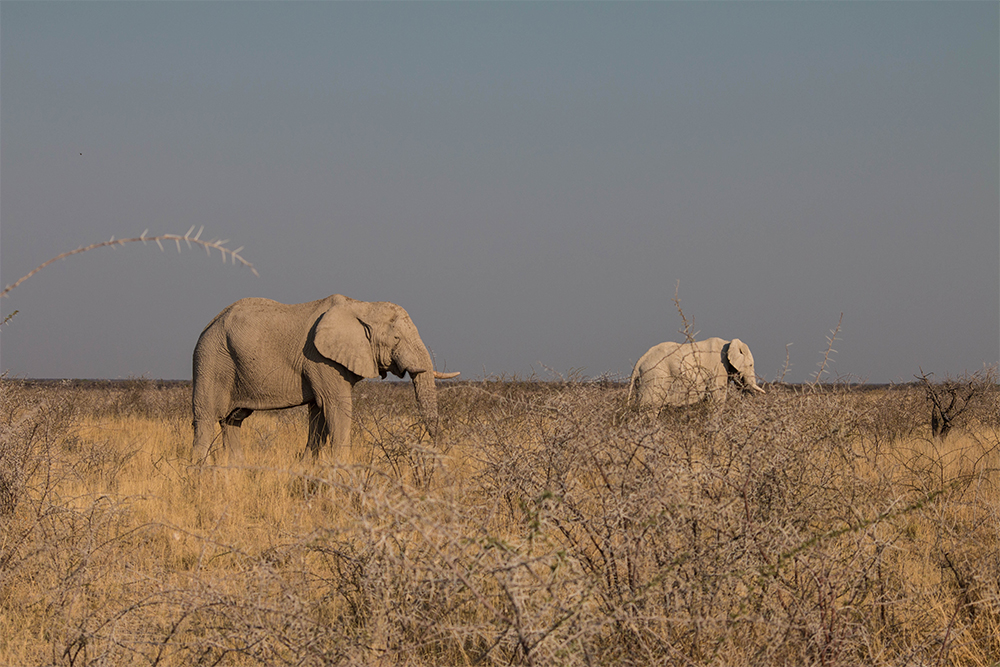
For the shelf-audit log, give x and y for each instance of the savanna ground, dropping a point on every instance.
(550, 526)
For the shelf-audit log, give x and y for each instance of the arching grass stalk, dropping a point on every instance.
(217, 244)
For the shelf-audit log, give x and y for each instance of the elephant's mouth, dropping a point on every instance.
(394, 369)
(747, 386)
(750, 387)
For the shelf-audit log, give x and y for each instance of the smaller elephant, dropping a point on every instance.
(678, 374)
(259, 354)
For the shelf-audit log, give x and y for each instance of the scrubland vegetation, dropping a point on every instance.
(550, 526)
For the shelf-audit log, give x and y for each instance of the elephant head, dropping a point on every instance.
(738, 361)
(375, 338)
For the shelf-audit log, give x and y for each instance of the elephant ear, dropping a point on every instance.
(341, 337)
(738, 354)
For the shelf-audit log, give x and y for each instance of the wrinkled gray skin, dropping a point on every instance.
(678, 374)
(259, 354)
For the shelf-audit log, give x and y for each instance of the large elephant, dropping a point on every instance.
(259, 354)
(677, 374)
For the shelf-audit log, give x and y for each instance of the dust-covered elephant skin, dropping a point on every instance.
(259, 354)
(678, 374)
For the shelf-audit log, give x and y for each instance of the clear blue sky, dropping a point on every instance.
(529, 180)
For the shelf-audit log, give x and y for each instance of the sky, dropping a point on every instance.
(532, 181)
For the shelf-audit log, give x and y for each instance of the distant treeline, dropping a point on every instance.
(852, 385)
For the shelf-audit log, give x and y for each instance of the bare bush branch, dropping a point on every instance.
(826, 355)
(688, 329)
(953, 397)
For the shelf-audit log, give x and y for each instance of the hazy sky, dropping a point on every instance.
(529, 180)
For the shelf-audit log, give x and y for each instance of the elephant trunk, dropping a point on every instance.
(423, 387)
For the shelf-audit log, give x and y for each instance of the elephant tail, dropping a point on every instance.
(631, 384)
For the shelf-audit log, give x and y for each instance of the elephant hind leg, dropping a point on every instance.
(231, 425)
(204, 436)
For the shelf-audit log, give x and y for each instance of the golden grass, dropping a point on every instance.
(550, 526)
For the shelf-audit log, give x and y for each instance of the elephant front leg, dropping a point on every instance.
(319, 432)
(338, 415)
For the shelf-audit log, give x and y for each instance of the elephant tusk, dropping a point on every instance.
(760, 389)
(445, 376)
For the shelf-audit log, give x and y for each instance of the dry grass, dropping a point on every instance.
(551, 527)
